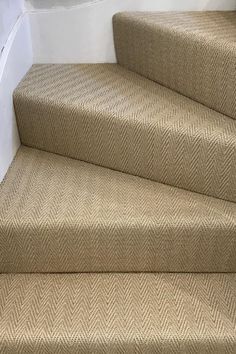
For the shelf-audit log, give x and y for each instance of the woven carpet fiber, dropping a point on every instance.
(118, 313)
(62, 215)
(109, 116)
(193, 53)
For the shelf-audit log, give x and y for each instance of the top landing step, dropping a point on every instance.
(193, 53)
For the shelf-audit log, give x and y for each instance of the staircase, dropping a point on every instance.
(118, 214)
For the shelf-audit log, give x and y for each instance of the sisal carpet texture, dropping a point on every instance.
(193, 53)
(62, 215)
(118, 313)
(109, 116)
(146, 265)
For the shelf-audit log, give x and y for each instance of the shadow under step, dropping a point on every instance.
(193, 53)
(62, 215)
(109, 116)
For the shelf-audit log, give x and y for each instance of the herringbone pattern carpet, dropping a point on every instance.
(63, 215)
(118, 313)
(109, 116)
(193, 53)
(155, 249)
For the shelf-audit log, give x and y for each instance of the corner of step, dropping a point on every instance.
(120, 15)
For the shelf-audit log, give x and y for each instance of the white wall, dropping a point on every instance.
(185, 4)
(81, 30)
(53, 4)
(15, 60)
(10, 10)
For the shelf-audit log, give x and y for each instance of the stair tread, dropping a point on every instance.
(62, 215)
(213, 26)
(118, 313)
(191, 52)
(104, 114)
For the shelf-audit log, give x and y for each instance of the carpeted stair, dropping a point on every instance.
(117, 313)
(131, 186)
(192, 53)
(112, 117)
(62, 215)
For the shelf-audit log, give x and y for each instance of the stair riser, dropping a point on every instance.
(198, 68)
(149, 150)
(100, 248)
(62, 215)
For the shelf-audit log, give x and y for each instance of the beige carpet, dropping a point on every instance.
(118, 313)
(193, 53)
(145, 267)
(109, 116)
(62, 215)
